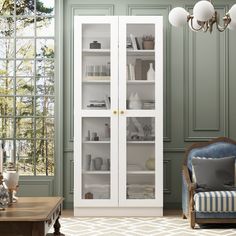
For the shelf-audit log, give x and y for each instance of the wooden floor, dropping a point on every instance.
(70, 213)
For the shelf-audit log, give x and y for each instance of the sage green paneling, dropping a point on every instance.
(69, 179)
(206, 80)
(199, 84)
(36, 186)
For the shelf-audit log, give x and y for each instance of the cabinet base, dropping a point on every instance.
(121, 211)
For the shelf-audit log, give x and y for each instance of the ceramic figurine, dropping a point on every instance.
(88, 195)
(135, 102)
(136, 129)
(95, 45)
(150, 164)
(107, 131)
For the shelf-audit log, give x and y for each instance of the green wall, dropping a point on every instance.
(199, 84)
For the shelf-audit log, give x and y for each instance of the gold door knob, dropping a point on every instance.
(122, 112)
(114, 112)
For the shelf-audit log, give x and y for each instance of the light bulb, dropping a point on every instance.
(195, 24)
(232, 25)
(178, 16)
(232, 12)
(203, 10)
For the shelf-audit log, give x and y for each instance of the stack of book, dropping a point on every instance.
(149, 105)
(97, 104)
(135, 42)
(130, 72)
(139, 191)
(129, 43)
(100, 104)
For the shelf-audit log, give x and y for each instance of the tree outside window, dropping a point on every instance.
(27, 66)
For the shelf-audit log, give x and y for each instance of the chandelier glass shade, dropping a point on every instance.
(204, 17)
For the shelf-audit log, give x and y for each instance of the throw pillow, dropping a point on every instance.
(214, 174)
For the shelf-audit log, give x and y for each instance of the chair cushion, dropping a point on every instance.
(216, 150)
(214, 174)
(215, 201)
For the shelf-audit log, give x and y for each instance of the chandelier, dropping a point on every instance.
(203, 18)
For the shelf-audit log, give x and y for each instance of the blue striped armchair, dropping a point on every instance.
(212, 206)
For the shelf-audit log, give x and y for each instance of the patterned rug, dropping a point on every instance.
(137, 226)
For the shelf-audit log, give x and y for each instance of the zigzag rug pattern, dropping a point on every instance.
(137, 226)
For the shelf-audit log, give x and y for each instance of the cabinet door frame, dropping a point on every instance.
(157, 113)
(80, 113)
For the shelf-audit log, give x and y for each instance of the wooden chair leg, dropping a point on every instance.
(192, 219)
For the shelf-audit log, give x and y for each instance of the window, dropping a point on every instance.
(27, 85)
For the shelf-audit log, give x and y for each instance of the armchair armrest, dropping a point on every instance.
(191, 186)
(188, 190)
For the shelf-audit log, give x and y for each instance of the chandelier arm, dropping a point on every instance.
(191, 23)
(205, 26)
(227, 20)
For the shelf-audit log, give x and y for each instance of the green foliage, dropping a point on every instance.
(7, 7)
(42, 9)
(33, 130)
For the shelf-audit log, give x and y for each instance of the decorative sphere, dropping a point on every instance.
(232, 12)
(178, 16)
(195, 24)
(203, 10)
(150, 164)
(232, 25)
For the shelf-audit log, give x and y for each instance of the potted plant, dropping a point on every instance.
(148, 42)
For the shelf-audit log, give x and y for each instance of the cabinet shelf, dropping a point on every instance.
(97, 142)
(140, 52)
(96, 52)
(142, 172)
(140, 81)
(98, 172)
(141, 142)
(94, 81)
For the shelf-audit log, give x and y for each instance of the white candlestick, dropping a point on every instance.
(12, 155)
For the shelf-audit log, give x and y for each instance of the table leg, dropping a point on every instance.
(57, 227)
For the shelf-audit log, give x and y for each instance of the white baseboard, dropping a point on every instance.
(121, 211)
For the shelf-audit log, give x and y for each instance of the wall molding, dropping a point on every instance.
(38, 181)
(71, 166)
(195, 128)
(174, 150)
(167, 177)
(103, 9)
(192, 132)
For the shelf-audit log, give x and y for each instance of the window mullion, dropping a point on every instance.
(34, 119)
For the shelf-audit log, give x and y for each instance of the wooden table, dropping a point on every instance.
(31, 216)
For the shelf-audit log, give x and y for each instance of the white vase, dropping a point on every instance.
(11, 179)
(135, 102)
(151, 72)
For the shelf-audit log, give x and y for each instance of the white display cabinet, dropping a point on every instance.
(118, 116)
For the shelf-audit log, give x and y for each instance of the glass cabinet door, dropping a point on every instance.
(141, 107)
(96, 155)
